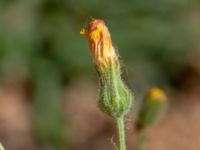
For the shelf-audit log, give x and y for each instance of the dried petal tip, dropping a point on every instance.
(95, 29)
(82, 31)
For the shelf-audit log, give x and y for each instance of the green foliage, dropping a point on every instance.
(154, 31)
(48, 121)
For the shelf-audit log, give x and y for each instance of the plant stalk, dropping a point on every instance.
(121, 133)
(140, 141)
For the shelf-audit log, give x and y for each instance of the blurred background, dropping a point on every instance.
(49, 87)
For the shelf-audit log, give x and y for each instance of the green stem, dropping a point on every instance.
(140, 141)
(121, 133)
(1, 147)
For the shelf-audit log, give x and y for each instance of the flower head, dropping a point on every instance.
(153, 107)
(115, 98)
(156, 94)
(100, 42)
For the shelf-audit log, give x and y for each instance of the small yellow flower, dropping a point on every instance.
(156, 94)
(153, 107)
(100, 42)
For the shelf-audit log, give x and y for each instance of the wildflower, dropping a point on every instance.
(115, 98)
(156, 94)
(153, 107)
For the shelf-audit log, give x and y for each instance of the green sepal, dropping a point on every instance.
(115, 97)
(150, 112)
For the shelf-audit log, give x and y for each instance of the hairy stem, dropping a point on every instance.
(121, 133)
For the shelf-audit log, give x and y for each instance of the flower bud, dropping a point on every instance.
(115, 98)
(153, 107)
